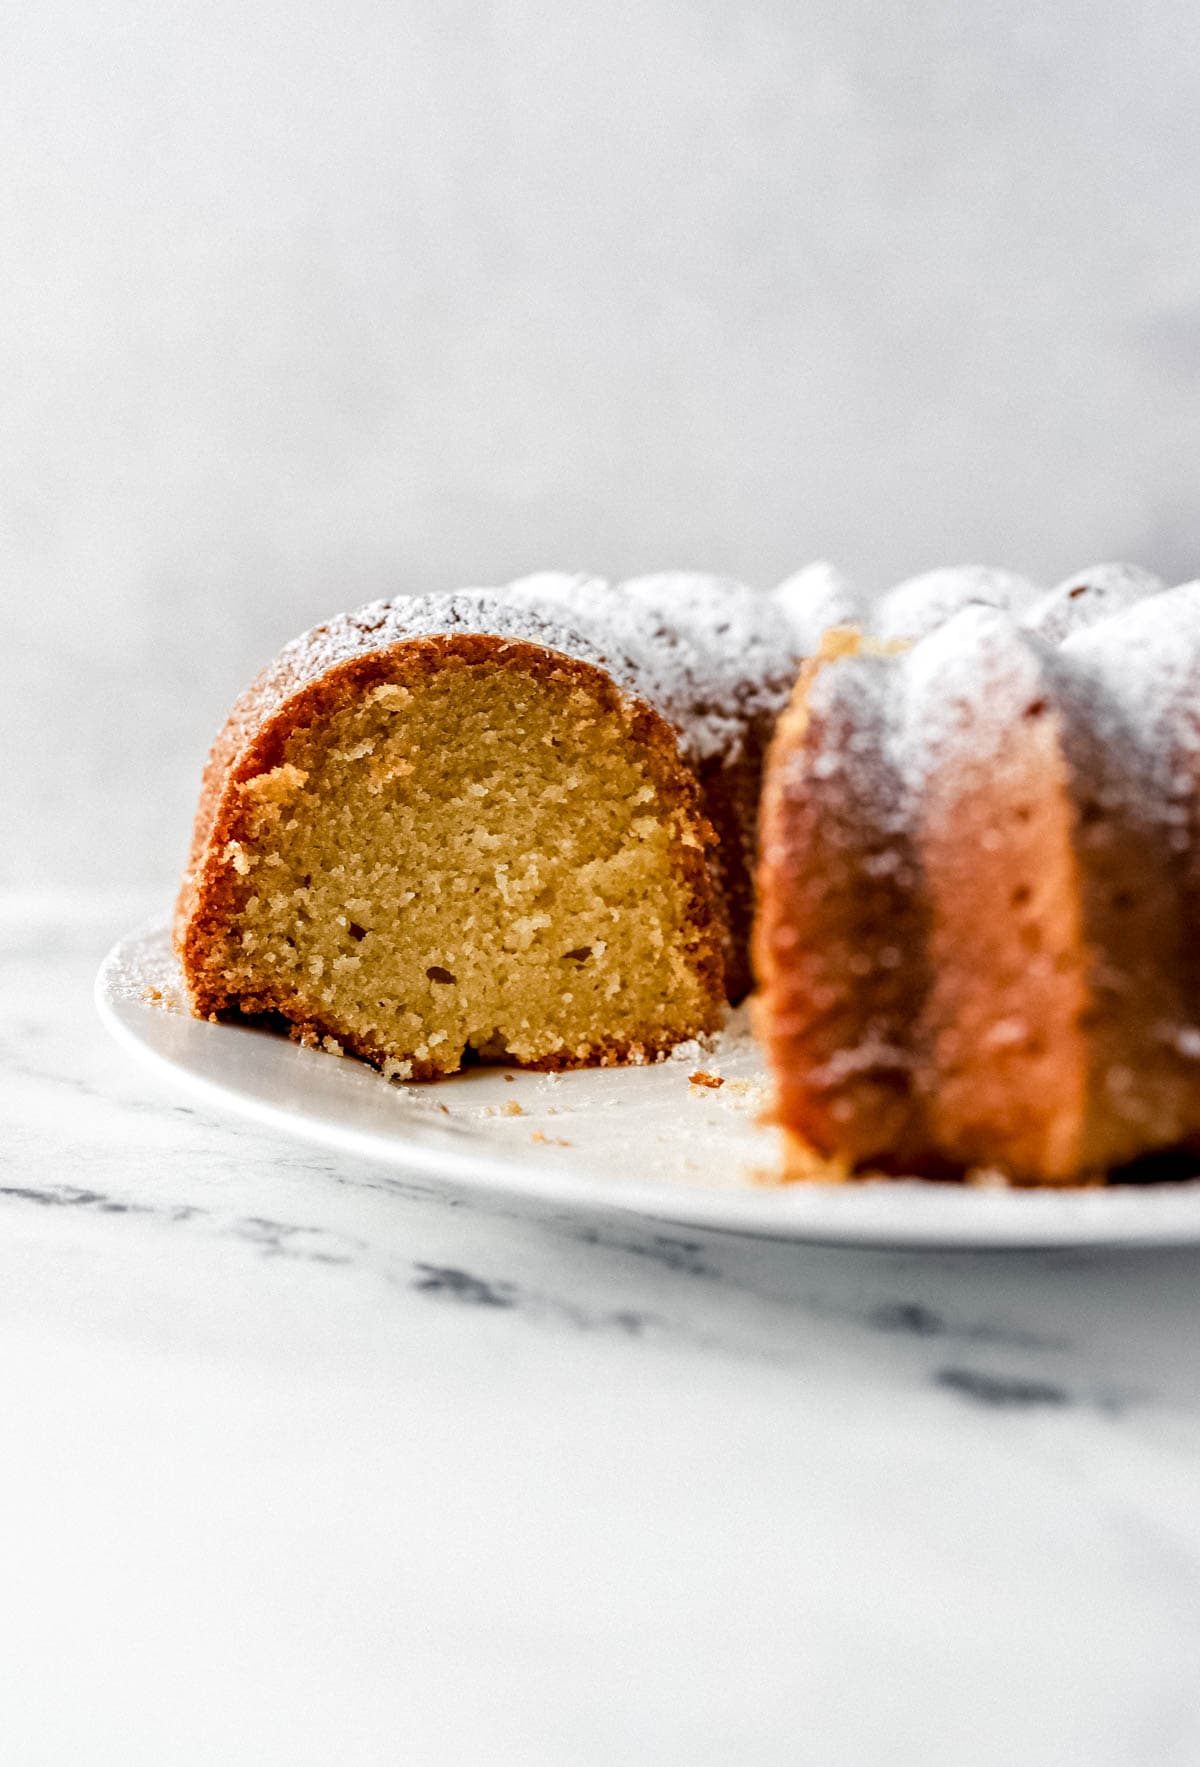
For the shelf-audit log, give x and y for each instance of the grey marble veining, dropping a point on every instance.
(311, 1463)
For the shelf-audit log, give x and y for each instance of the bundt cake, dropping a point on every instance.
(978, 887)
(479, 827)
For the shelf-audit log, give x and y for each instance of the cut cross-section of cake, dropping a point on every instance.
(718, 660)
(449, 829)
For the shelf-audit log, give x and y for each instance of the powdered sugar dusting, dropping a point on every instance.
(1087, 597)
(961, 687)
(144, 971)
(919, 605)
(1131, 673)
(713, 655)
(815, 599)
(732, 653)
(853, 699)
(1146, 662)
(480, 612)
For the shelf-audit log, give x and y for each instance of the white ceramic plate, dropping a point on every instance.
(647, 1140)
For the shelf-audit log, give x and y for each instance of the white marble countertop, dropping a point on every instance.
(307, 1465)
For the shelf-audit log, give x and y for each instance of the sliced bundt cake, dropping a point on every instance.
(978, 908)
(454, 828)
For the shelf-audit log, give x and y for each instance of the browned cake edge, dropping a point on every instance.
(838, 941)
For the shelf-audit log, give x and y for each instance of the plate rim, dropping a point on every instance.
(1023, 1220)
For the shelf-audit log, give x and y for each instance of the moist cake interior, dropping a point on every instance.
(467, 859)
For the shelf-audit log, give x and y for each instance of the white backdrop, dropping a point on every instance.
(303, 301)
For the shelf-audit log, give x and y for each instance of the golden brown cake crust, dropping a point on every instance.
(839, 937)
(303, 687)
(1016, 823)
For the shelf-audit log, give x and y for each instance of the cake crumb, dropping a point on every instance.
(702, 1078)
(802, 1164)
(509, 1109)
(692, 1049)
(750, 1096)
(548, 1140)
(764, 1177)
